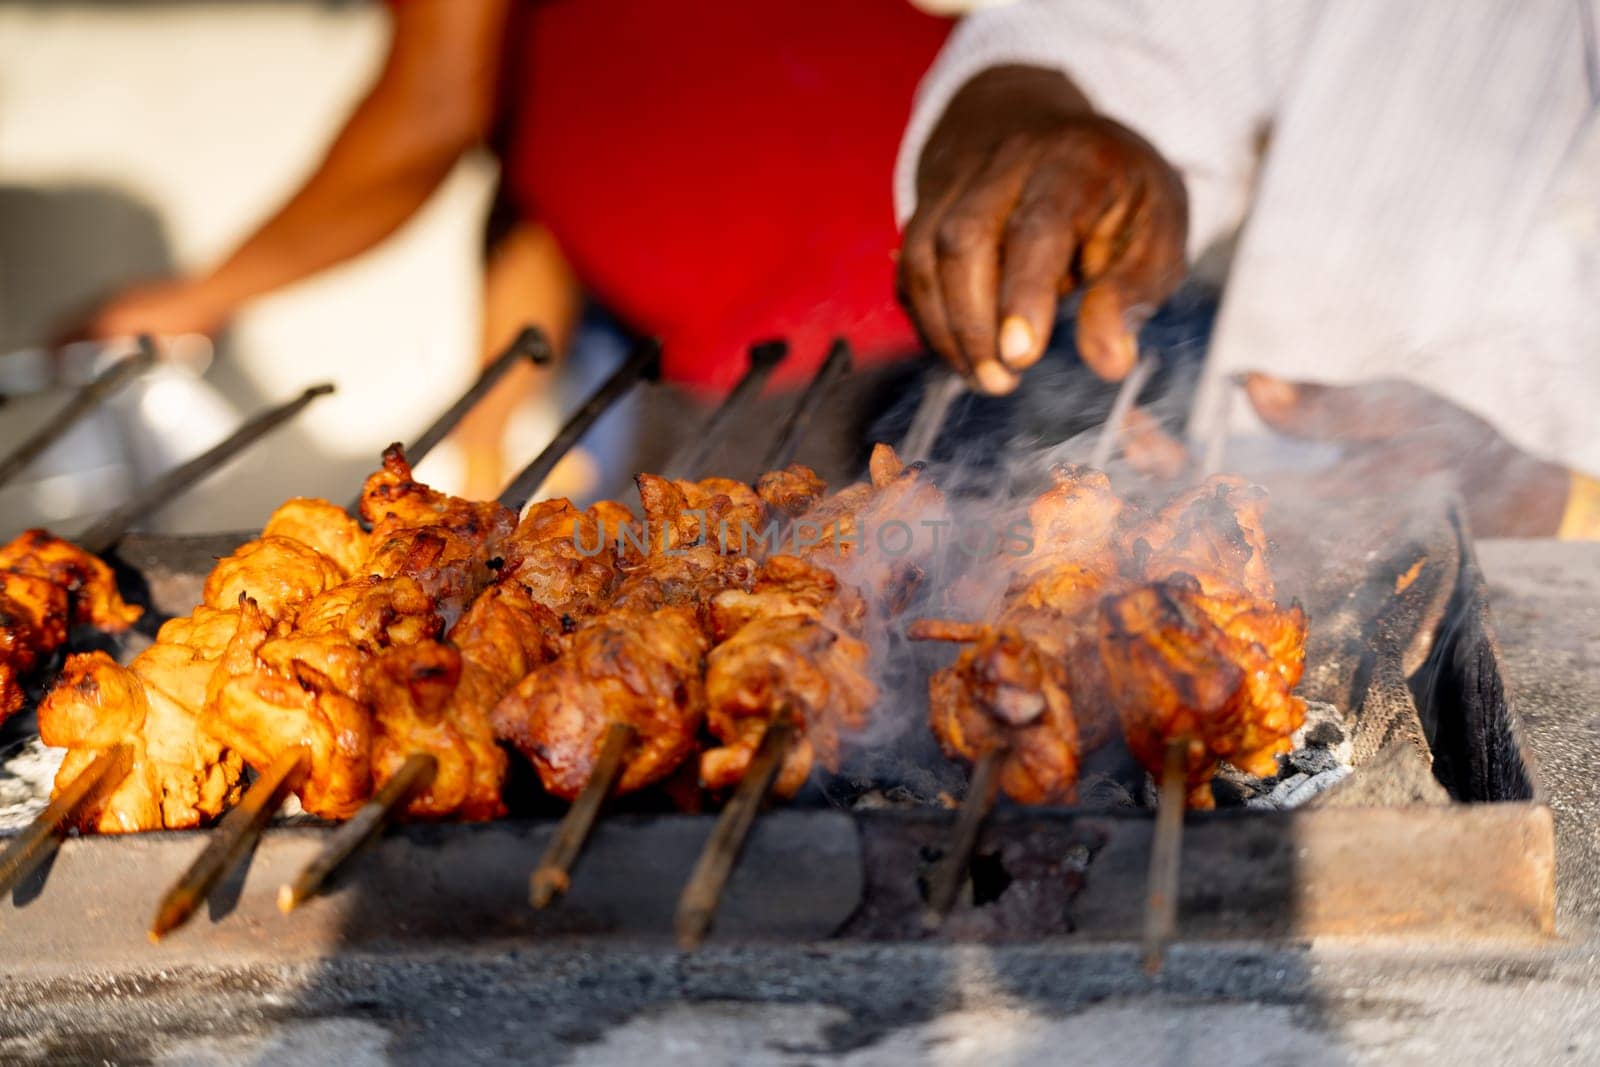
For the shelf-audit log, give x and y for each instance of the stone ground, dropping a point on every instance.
(852, 1004)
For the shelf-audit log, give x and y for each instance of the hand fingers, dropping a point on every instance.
(1105, 343)
(1132, 261)
(968, 246)
(1040, 240)
(918, 282)
(1371, 411)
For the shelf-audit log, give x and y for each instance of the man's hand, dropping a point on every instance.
(1394, 434)
(164, 308)
(1024, 195)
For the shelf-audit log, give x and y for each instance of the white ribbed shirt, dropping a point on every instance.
(1390, 187)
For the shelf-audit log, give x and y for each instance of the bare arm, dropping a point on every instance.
(433, 100)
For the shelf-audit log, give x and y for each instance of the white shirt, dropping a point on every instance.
(1427, 205)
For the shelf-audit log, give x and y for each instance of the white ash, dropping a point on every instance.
(27, 772)
(1320, 759)
(1296, 789)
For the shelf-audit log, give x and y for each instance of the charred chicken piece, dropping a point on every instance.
(1075, 522)
(438, 699)
(265, 701)
(639, 668)
(444, 542)
(792, 491)
(696, 534)
(1213, 533)
(305, 682)
(788, 661)
(1005, 694)
(180, 776)
(1216, 672)
(46, 585)
(790, 642)
(871, 533)
(88, 582)
(33, 624)
(1031, 684)
(183, 775)
(566, 559)
(277, 573)
(325, 527)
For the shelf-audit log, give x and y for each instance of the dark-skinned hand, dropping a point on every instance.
(1392, 437)
(1394, 434)
(1026, 195)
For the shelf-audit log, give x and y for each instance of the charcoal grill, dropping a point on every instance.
(1401, 634)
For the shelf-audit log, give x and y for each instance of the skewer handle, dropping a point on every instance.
(82, 402)
(1166, 849)
(698, 904)
(941, 387)
(794, 431)
(554, 873)
(643, 362)
(111, 526)
(531, 344)
(414, 775)
(239, 829)
(764, 359)
(1127, 393)
(1215, 450)
(41, 838)
(952, 871)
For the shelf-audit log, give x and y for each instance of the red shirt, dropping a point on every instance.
(720, 172)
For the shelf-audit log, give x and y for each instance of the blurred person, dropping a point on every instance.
(1385, 191)
(714, 176)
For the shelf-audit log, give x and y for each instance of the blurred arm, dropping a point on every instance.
(433, 100)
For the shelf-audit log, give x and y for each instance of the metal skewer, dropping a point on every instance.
(1166, 849)
(975, 808)
(84, 401)
(1216, 440)
(941, 387)
(233, 837)
(531, 344)
(643, 362)
(109, 529)
(794, 430)
(414, 775)
(698, 904)
(554, 873)
(42, 837)
(764, 359)
(1105, 445)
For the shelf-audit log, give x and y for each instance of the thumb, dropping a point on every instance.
(1105, 339)
(1371, 411)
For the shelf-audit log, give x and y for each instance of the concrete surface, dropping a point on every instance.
(582, 1003)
